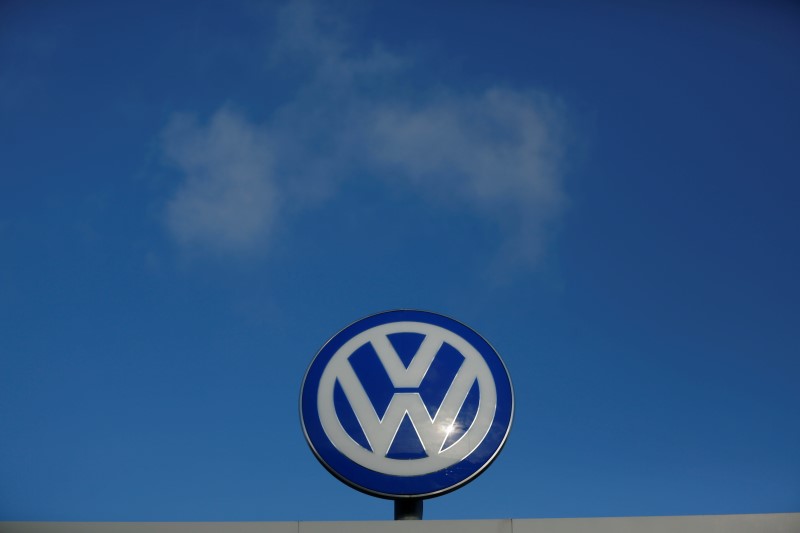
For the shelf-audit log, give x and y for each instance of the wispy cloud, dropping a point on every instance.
(228, 199)
(495, 152)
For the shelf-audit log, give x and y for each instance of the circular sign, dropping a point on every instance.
(406, 404)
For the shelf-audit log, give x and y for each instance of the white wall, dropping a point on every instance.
(762, 523)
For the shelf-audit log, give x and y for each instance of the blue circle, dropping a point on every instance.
(391, 486)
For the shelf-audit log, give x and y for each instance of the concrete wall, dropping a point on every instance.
(758, 523)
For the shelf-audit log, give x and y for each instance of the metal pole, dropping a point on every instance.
(408, 509)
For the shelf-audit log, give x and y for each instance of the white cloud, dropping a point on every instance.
(312, 37)
(495, 153)
(227, 201)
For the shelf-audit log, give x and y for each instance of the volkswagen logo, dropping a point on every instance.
(406, 404)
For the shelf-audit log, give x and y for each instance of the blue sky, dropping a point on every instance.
(195, 196)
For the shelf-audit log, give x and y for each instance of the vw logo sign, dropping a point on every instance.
(406, 404)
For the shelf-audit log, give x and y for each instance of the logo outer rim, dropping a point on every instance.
(393, 496)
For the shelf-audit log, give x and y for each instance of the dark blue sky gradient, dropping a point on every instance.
(652, 339)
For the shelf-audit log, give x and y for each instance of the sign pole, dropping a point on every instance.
(408, 509)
